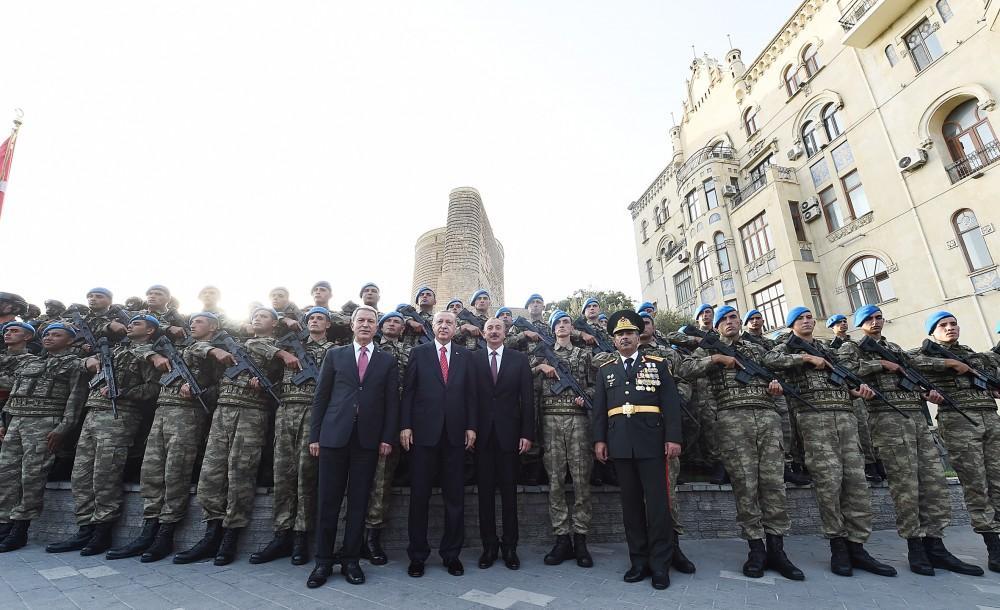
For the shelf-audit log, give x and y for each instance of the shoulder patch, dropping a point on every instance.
(606, 363)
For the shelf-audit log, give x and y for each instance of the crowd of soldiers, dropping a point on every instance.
(208, 395)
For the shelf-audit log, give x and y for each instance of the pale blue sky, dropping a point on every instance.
(253, 144)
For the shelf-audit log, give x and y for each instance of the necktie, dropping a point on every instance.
(628, 367)
(362, 363)
(493, 365)
(444, 364)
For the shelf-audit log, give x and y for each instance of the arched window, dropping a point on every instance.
(890, 54)
(723, 252)
(868, 282)
(645, 230)
(701, 262)
(970, 236)
(658, 214)
(750, 121)
(791, 79)
(970, 135)
(831, 122)
(809, 138)
(666, 210)
(809, 60)
(944, 9)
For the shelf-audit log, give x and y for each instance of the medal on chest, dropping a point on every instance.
(648, 378)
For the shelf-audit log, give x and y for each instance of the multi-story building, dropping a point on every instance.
(853, 161)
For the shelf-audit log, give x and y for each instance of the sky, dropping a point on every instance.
(251, 144)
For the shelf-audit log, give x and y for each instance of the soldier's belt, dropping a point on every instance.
(628, 410)
(37, 403)
(555, 401)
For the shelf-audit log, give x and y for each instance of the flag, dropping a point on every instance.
(6, 156)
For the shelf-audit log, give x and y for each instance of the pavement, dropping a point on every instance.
(31, 578)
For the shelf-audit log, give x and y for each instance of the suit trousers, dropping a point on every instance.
(351, 467)
(495, 469)
(649, 528)
(425, 462)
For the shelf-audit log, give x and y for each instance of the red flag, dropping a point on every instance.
(6, 156)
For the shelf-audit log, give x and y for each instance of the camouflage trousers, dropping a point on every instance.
(378, 502)
(294, 469)
(25, 462)
(868, 448)
(568, 445)
(974, 453)
(100, 464)
(673, 471)
(750, 440)
(228, 478)
(707, 416)
(833, 456)
(916, 476)
(172, 448)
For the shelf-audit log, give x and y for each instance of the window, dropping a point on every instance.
(771, 304)
(649, 270)
(820, 172)
(868, 282)
(645, 231)
(835, 217)
(796, 213)
(818, 309)
(756, 238)
(758, 174)
(711, 196)
(923, 45)
(701, 262)
(831, 122)
(682, 286)
(791, 79)
(658, 213)
(970, 236)
(944, 9)
(809, 61)
(856, 198)
(809, 138)
(969, 133)
(890, 54)
(843, 157)
(691, 203)
(750, 121)
(723, 252)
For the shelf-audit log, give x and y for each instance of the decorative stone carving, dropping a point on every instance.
(986, 281)
(987, 229)
(714, 218)
(851, 227)
(951, 244)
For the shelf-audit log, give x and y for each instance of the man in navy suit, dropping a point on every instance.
(506, 429)
(355, 418)
(438, 424)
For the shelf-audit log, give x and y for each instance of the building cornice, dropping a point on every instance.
(786, 34)
(636, 206)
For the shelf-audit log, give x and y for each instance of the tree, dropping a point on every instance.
(669, 320)
(611, 301)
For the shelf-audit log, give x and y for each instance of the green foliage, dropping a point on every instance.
(611, 301)
(669, 320)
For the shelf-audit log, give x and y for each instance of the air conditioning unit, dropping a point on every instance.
(812, 202)
(730, 191)
(795, 152)
(912, 160)
(811, 214)
(683, 256)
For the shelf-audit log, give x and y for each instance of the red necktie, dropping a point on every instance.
(493, 366)
(444, 363)
(362, 363)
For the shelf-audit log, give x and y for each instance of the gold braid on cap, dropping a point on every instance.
(624, 324)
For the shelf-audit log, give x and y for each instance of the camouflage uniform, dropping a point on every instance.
(105, 441)
(47, 395)
(412, 337)
(469, 341)
(860, 411)
(912, 463)
(378, 502)
(698, 438)
(9, 363)
(830, 441)
(792, 443)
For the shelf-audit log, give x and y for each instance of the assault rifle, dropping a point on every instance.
(102, 349)
(748, 367)
(836, 343)
(310, 369)
(564, 377)
(980, 378)
(583, 326)
(470, 318)
(178, 369)
(524, 324)
(910, 379)
(409, 311)
(245, 363)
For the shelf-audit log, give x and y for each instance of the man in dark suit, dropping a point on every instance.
(637, 424)
(506, 429)
(355, 418)
(438, 424)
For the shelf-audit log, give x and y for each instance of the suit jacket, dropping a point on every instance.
(506, 408)
(643, 434)
(430, 407)
(341, 397)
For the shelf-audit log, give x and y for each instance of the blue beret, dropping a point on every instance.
(368, 285)
(391, 314)
(269, 310)
(750, 314)
(934, 318)
(100, 290)
(556, 316)
(148, 319)
(590, 301)
(794, 314)
(646, 315)
(998, 328)
(60, 326)
(534, 296)
(863, 313)
(19, 324)
(604, 316)
(205, 314)
(835, 318)
(645, 305)
(160, 287)
(503, 310)
(452, 302)
(416, 297)
(702, 308)
(323, 283)
(477, 294)
(318, 309)
(721, 313)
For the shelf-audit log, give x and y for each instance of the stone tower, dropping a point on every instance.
(462, 256)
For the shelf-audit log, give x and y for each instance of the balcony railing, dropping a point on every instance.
(855, 12)
(702, 155)
(975, 162)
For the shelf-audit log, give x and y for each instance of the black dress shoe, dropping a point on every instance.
(416, 569)
(454, 567)
(488, 557)
(510, 558)
(637, 574)
(352, 573)
(319, 575)
(661, 580)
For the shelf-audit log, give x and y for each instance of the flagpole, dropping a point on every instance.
(9, 153)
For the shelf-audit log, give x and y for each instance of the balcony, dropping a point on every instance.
(973, 164)
(774, 173)
(865, 20)
(723, 153)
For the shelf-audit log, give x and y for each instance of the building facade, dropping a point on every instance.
(463, 256)
(853, 161)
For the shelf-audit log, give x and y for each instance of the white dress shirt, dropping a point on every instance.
(489, 354)
(357, 351)
(437, 350)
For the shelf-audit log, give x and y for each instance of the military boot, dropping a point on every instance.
(753, 567)
(992, 540)
(778, 561)
(145, 539)
(371, 548)
(941, 558)
(719, 475)
(77, 542)
(279, 546)
(871, 473)
(100, 541)
(795, 478)
(840, 559)
(679, 561)
(917, 556)
(5, 529)
(16, 538)
(562, 551)
(300, 548)
(861, 560)
(162, 545)
(583, 558)
(207, 547)
(227, 549)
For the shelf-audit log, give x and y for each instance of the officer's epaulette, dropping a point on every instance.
(653, 358)
(607, 362)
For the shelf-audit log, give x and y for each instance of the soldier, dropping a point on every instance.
(158, 302)
(455, 306)
(105, 439)
(425, 300)
(973, 449)
(321, 293)
(135, 304)
(54, 311)
(505, 315)
(11, 306)
(602, 321)
(46, 400)
(749, 429)
(99, 316)
(916, 476)
(370, 295)
(294, 507)
(567, 443)
(468, 334)
(639, 438)
(33, 313)
(236, 438)
(209, 297)
(16, 336)
(830, 439)
(590, 315)
(175, 438)
(521, 339)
